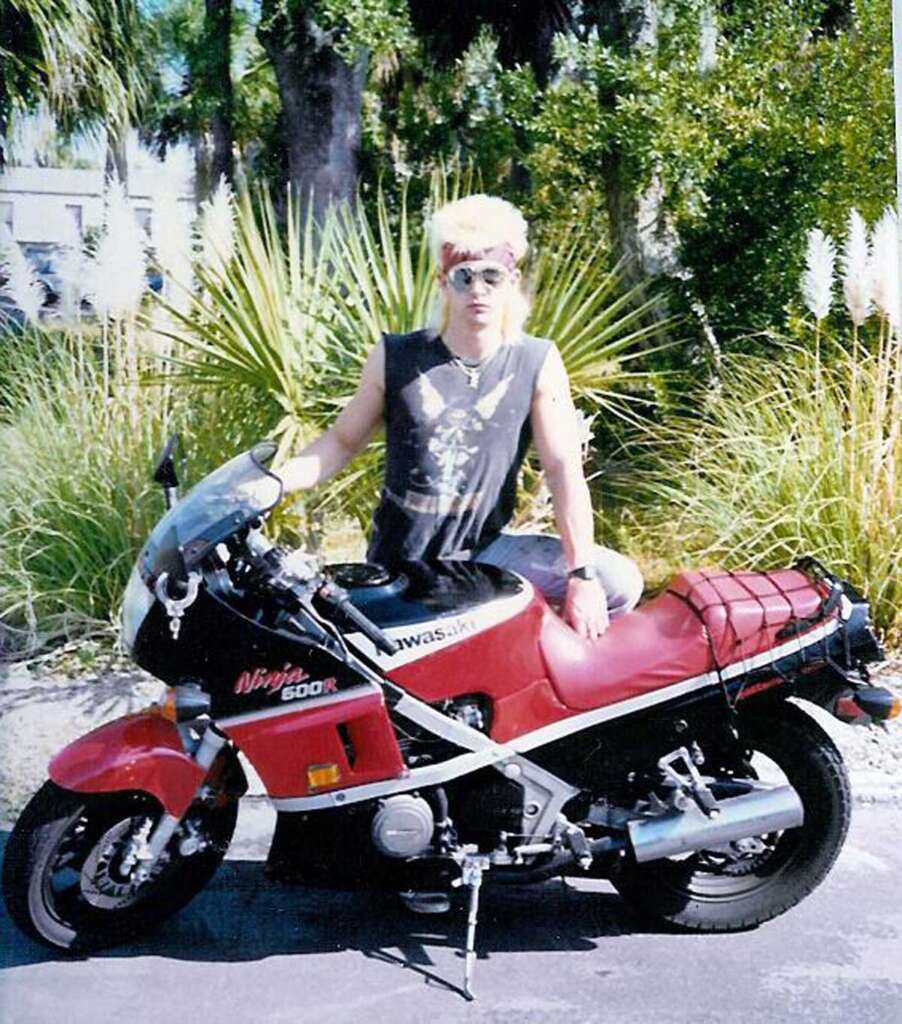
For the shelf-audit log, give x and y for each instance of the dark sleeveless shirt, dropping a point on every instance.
(453, 452)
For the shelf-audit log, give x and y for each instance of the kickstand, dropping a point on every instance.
(472, 868)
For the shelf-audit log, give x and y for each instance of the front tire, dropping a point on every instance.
(69, 876)
(710, 892)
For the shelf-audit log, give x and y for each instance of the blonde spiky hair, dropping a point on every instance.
(476, 223)
(473, 225)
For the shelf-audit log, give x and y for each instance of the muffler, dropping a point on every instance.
(766, 809)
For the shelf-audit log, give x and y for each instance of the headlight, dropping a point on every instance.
(135, 605)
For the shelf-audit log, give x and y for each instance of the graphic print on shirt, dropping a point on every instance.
(453, 444)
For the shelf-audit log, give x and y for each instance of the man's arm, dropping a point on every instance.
(349, 434)
(556, 435)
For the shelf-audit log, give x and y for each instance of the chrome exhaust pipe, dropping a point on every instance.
(766, 809)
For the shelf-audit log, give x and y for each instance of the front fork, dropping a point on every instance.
(211, 743)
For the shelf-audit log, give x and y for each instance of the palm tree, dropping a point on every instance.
(82, 57)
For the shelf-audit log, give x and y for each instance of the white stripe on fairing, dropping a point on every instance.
(292, 706)
(492, 752)
(481, 618)
(557, 730)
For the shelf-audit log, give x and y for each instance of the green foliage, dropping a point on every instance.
(600, 325)
(77, 500)
(789, 457)
(789, 126)
(381, 27)
(182, 101)
(256, 323)
(426, 115)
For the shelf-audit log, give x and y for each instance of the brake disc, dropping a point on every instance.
(109, 878)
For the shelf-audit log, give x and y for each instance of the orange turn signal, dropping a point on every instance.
(319, 775)
(166, 705)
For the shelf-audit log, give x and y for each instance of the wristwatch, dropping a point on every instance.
(584, 572)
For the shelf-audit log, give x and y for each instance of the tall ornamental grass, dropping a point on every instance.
(80, 435)
(77, 500)
(792, 457)
(802, 453)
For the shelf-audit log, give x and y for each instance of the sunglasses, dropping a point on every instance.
(462, 277)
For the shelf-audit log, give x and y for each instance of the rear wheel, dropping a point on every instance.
(71, 874)
(754, 880)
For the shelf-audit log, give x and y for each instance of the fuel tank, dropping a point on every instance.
(462, 629)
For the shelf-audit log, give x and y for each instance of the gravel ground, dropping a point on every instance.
(43, 707)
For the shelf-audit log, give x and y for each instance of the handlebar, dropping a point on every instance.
(337, 598)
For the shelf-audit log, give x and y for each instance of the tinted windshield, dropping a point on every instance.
(223, 502)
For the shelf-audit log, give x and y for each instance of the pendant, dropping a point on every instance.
(472, 373)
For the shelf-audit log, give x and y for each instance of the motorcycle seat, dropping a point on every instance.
(704, 620)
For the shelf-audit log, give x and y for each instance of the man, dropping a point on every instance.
(460, 403)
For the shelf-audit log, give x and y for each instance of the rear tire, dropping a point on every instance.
(710, 893)
(68, 877)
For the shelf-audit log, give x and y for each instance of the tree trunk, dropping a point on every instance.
(204, 182)
(116, 164)
(218, 85)
(632, 27)
(322, 98)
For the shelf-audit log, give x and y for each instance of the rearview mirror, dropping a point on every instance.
(165, 474)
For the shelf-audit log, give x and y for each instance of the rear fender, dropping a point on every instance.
(137, 752)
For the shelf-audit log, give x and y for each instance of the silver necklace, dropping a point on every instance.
(472, 371)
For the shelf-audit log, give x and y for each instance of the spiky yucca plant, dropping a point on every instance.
(601, 326)
(294, 314)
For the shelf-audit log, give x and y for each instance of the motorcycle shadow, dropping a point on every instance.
(242, 916)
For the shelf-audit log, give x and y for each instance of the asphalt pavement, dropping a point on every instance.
(247, 950)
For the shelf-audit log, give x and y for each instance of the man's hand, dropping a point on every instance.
(586, 608)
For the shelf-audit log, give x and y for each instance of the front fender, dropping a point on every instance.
(137, 752)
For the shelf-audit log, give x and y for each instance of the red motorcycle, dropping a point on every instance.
(427, 728)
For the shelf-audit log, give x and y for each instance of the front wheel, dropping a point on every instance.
(71, 875)
(754, 880)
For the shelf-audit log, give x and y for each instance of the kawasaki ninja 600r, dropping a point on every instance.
(430, 728)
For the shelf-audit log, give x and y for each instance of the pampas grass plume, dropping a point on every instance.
(817, 281)
(856, 270)
(118, 272)
(172, 242)
(217, 228)
(22, 284)
(885, 266)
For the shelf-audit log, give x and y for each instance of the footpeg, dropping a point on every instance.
(576, 839)
(689, 784)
